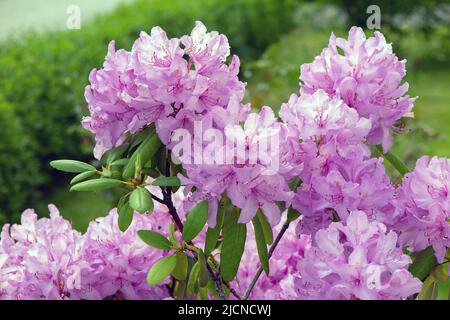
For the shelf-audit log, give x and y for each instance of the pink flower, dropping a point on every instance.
(41, 259)
(355, 260)
(367, 76)
(423, 206)
(119, 262)
(160, 81)
(252, 179)
(279, 284)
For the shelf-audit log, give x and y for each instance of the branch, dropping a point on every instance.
(167, 200)
(271, 250)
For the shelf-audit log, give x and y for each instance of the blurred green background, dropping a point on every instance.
(44, 69)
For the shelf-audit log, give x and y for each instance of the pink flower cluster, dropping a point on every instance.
(171, 82)
(279, 285)
(354, 260)
(423, 207)
(338, 174)
(366, 75)
(249, 185)
(47, 259)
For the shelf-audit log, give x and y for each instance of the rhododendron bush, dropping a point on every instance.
(222, 202)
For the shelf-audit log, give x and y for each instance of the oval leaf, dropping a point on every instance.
(82, 176)
(146, 151)
(423, 263)
(234, 235)
(261, 244)
(97, 184)
(167, 182)
(212, 234)
(195, 221)
(161, 270)
(72, 166)
(125, 217)
(181, 268)
(120, 162)
(203, 272)
(154, 239)
(193, 277)
(266, 228)
(141, 200)
(172, 237)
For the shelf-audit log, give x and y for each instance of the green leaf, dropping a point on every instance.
(234, 235)
(261, 244)
(125, 217)
(202, 294)
(155, 240)
(203, 272)
(423, 263)
(292, 214)
(394, 161)
(82, 176)
(181, 268)
(173, 239)
(293, 185)
(195, 221)
(120, 162)
(167, 182)
(266, 228)
(212, 234)
(146, 151)
(112, 155)
(179, 290)
(443, 289)
(72, 166)
(429, 289)
(193, 277)
(161, 270)
(212, 288)
(141, 200)
(97, 184)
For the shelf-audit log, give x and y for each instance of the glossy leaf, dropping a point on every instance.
(146, 151)
(212, 234)
(193, 277)
(82, 176)
(72, 166)
(161, 270)
(195, 221)
(167, 182)
(266, 228)
(181, 268)
(234, 235)
(97, 184)
(141, 200)
(203, 272)
(261, 244)
(154, 239)
(172, 237)
(125, 217)
(423, 263)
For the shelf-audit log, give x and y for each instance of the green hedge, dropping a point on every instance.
(42, 79)
(17, 164)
